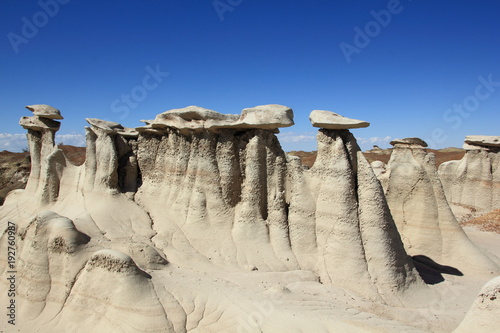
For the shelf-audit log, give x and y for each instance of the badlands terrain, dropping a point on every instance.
(198, 221)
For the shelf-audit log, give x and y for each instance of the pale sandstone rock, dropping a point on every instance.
(104, 125)
(39, 124)
(378, 167)
(409, 142)
(53, 252)
(338, 205)
(215, 201)
(483, 140)
(192, 117)
(332, 120)
(271, 117)
(47, 162)
(483, 315)
(422, 214)
(112, 288)
(472, 184)
(45, 111)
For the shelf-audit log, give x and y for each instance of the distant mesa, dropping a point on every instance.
(331, 120)
(45, 111)
(410, 142)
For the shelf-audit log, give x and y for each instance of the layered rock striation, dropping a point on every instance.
(199, 197)
(422, 214)
(472, 184)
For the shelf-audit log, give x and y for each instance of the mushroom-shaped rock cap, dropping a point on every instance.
(112, 127)
(45, 111)
(39, 124)
(194, 112)
(414, 142)
(332, 120)
(105, 125)
(483, 140)
(270, 116)
(192, 117)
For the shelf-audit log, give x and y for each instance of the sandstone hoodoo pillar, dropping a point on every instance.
(47, 161)
(472, 184)
(358, 245)
(424, 218)
(220, 179)
(111, 162)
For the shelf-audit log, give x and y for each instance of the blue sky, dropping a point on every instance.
(420, 68)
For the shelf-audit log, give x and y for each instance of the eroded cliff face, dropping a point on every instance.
(422, 214)
(222, 195)
(202, 198)
(472, 184)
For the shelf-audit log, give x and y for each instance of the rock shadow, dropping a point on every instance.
(432, 272)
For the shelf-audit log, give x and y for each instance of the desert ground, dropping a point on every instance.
(198, 221)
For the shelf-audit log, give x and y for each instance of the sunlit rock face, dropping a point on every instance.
(422, 214)
(472, 184)
(170, 220)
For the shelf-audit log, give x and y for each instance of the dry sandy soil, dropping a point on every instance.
(488, 222)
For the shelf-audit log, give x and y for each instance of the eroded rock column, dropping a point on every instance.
(47, 161)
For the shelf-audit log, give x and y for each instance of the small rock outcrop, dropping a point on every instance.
(424, 219)
(472, 184)
(409, 142)
(52, 251)
(483, 315)
(111, 288)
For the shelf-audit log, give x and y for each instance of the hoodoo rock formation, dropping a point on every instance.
(198, 221)
(422, 214)
(472, 184)
(338, 213)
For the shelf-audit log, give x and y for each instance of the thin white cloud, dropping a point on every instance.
(75, 139)
(297, 141)
(293, 137)
(13, 142)
(16, 142)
